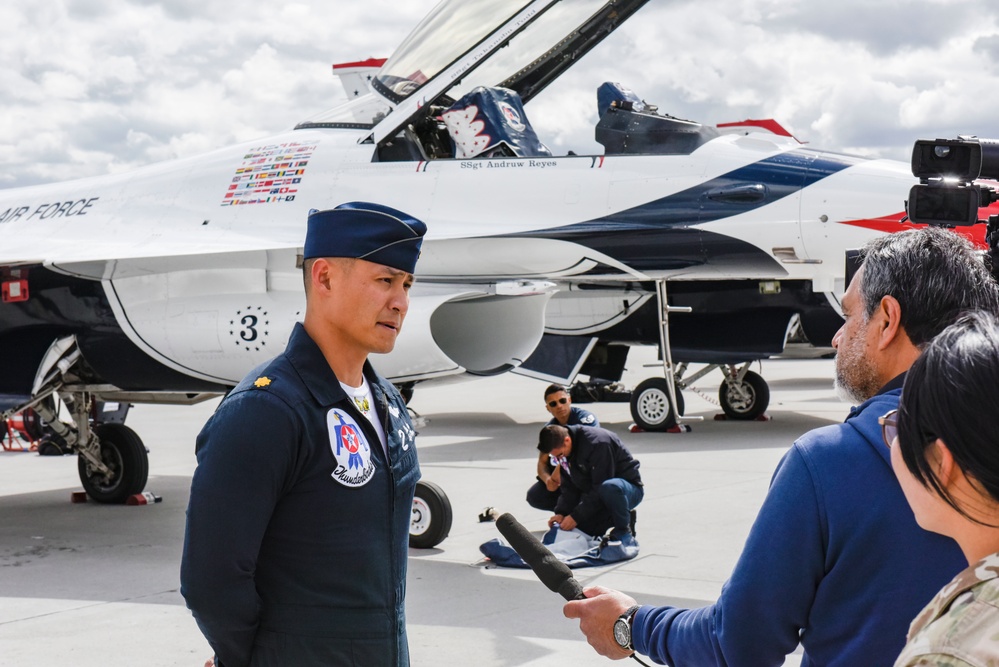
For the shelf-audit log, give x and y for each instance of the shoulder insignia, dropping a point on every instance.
(261, 382)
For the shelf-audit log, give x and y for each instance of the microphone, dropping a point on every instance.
(552, 572)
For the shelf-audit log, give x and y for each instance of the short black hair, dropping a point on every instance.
(554, 389)
(934, 274)
(551, 436)
(951, 392)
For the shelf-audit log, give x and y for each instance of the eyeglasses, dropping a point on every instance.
(561, 401)
(889, 427)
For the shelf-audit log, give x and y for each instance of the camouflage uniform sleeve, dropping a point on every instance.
(960, 626)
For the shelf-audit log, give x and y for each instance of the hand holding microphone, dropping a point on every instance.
(552, 572)
(596, 613)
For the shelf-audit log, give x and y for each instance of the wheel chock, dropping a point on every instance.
(721, 417)
(144, 498)
(676, 428)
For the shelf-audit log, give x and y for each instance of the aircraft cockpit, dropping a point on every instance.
(497, 53)
(457, 86)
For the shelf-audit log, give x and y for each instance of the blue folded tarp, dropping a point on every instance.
(573, 547)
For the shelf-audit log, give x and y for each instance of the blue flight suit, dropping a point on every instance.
(298, 528)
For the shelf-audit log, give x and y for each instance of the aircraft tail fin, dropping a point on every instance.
(356, 76)
(766, 124)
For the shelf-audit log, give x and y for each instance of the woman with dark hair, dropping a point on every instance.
(945, 452)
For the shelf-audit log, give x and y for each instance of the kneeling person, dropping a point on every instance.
(544, 493)
(600, 479)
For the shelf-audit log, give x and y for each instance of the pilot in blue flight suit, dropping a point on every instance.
(298, 524)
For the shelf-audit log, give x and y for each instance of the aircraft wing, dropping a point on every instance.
(213, 316)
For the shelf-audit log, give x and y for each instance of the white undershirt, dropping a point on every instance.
(361, 396)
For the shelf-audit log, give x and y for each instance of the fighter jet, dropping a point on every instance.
(169, 283)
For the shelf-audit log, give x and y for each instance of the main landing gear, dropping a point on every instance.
(113, 462)
(743, 396)
(657, 404)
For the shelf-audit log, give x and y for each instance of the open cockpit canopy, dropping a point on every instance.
(522, 45)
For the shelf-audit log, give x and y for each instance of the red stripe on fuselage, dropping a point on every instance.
(890, 224)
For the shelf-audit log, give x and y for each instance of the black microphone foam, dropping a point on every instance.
(552, 572)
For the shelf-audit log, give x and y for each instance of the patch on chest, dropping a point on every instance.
(354, 463)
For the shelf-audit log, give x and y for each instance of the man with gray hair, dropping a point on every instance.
(835, 560)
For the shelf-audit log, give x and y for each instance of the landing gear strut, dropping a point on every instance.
(657, 404)
(113, 463)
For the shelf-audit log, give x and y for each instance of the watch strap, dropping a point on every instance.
(627, 617)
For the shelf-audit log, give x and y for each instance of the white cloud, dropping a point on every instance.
(98, 86)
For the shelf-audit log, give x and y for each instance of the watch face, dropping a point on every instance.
(622, 633)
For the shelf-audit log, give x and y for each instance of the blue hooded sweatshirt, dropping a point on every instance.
(835, 561)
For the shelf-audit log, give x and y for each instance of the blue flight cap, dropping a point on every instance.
(367, 231)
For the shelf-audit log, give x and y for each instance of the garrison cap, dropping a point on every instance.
(367, 231)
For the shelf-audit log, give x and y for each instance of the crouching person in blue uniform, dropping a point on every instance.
(600, 480)
(298, 524)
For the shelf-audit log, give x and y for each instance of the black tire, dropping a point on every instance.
(650, 406)
(123, 452)
(745, 409)
(431, 521)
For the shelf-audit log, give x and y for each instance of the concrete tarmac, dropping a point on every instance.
(89, 585)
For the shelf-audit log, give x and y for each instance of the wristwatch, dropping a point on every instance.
(622, 629)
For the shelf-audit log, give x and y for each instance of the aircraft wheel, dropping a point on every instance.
(124, 454)
(431, 520)
(650, 406)
(747, 404)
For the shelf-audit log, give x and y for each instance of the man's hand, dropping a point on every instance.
(554, 481)
(596, 616)
(558, 518)
(210, 662)
(567, 523)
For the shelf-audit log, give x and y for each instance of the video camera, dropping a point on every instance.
(947, 168)
(947, 195)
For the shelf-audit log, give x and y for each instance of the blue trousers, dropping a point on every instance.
(620, 497)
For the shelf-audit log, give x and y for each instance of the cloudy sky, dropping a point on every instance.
(100, 86)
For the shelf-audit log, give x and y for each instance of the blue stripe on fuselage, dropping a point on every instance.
(636, 235)
(781, 175)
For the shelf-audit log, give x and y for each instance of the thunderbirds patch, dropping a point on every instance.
(354, 463)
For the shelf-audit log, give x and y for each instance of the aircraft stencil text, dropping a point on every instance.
(47, 210)
(507, 164)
